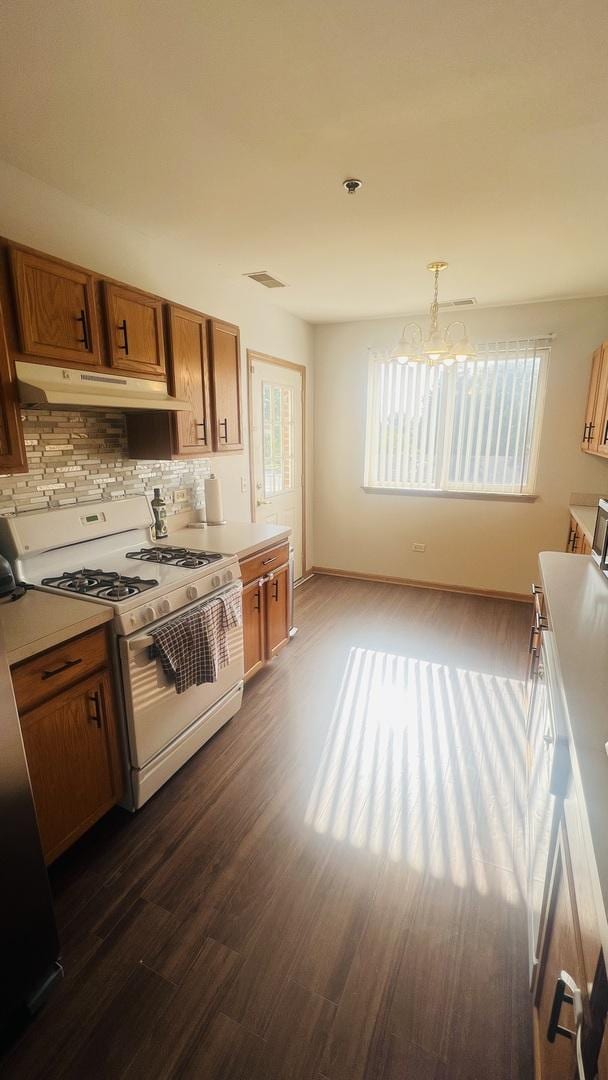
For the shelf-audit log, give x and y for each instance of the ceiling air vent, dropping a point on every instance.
(266, 279)
(466, 301)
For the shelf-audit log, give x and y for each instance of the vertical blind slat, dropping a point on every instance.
(490, 405)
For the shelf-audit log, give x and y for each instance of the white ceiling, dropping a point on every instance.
(480, 128)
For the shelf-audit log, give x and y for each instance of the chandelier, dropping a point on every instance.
(438, 347)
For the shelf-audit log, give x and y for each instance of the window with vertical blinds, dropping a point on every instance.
(474, 426)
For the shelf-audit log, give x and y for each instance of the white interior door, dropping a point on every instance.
(276, 445)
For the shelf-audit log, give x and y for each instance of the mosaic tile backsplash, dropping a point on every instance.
(82, 457)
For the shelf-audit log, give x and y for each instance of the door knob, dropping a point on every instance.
(263, 502)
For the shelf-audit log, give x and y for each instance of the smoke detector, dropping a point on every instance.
(352, 185)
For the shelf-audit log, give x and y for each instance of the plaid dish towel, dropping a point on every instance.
(194, 647)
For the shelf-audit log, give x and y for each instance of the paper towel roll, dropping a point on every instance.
(214, 509)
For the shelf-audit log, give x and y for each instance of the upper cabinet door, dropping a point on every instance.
(135, 331)
(189, 380)
(226, 382)
(12, 446)
(56, 309)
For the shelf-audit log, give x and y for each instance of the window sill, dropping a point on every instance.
(426, 493)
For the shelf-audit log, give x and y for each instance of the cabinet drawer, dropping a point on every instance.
(43, 676)
(260, 564)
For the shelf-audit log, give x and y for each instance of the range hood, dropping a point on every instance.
(41, 386)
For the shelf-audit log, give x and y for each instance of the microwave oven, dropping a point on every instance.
(599, 550)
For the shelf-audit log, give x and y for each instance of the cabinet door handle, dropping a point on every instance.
(84, 340)
(256, 602)
(605, 439)
(95, 714)
(585, 432)
(63, 667)
(125, 345)
(554, 1028)
(223, 424)
(275, 589)
(590, 432)
(202, 424)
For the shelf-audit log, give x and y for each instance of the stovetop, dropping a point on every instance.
(103, 584)
(175, 556)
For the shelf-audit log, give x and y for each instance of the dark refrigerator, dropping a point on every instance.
(30, 947)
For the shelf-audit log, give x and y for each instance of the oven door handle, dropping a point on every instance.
(146, 641)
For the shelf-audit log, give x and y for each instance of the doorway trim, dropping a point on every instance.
(252, 355)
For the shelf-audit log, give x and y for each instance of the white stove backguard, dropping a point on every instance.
(32, 534)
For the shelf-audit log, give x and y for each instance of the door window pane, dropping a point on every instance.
(278, 438)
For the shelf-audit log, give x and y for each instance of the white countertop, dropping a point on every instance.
(585, 517)
(576, 593)
(40, 620)
(233, 538)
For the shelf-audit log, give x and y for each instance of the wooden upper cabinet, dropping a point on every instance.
(595, 432)
(189, 380)
(134, 322)
(225, 362)
(56, 309)
(12, 447)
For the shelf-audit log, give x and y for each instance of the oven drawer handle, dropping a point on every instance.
(64, 667)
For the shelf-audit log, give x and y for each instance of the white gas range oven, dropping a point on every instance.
(102, 554)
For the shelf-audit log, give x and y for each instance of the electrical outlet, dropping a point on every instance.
(418, 547)
(180, 495)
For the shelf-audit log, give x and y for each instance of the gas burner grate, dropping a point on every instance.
(105, 584)
(175, 556)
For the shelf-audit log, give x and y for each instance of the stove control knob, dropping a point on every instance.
(164, 607)
(192, 592)
(215, 581)
(133, 620)
(228, 576)
(149, 614)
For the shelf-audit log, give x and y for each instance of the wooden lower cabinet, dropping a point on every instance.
(266, 606)
(560, 968)
(254, 636)
(277, 611)
(72, 751)
(577, 542)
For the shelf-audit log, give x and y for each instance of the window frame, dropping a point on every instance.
(443, 489)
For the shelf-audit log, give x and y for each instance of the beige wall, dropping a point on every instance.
(34, 213)
(486, 544)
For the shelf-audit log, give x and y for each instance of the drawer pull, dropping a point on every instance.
(271, 560)
(64, 667)
(554, 1028)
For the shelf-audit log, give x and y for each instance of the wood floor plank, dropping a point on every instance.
(361, 1034)
(180, 1038)
(332, 888)
(128, 1022)
(298, 1035)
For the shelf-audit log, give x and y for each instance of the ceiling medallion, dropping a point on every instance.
(438, 347)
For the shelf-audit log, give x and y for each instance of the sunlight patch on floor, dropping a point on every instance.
(424, 763)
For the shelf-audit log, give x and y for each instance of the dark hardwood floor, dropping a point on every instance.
(333, 887)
